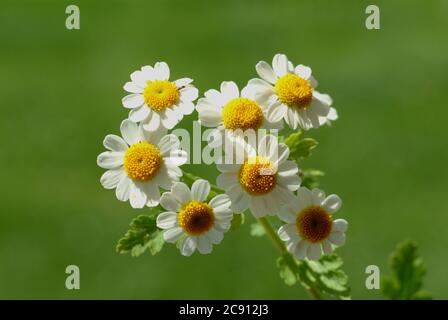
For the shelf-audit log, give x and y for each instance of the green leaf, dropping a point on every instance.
(299, 147)
(143, 235)
(257, 230)
(325, 275)
(288, 269)
(237, 221)
(310, 178)
(408, 272)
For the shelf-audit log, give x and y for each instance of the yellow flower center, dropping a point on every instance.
(160, 94)
(142, 161)
(314, 224)
(242, 113)
(257, 177)
(196, 218)
(294, 91)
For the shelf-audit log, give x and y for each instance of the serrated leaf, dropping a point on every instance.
(310, 178)
(257, 230)
(237, 221)
(143, 235)
(288, 269)
(408, 273)
(299, 147)
(325, 275)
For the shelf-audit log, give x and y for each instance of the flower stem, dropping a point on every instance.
(314, 293)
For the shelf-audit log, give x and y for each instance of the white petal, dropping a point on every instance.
(215, 97)
(123, 189)
(288, 232)
(115, 143)
(167, 220)
(318, 196)
(240, 200)
(181, 192)
(132, 87)
(172, 235)
(303, 71)
(215, 236)
(153, 122)
(162, 71)
(314, 251)
(292, 118)
(110, 159)
(276, 111)
(169, 202)
(226, 180)
(301, 250)
(280, 65)
(340, 225)
(189, 94)
(139, 78)
(230, 90)
(220, 203)
(170, 118)
(332, 203)
(137, 196)
(286, 214)
(183, 82)
(231, 167)
(326, 247)
(188, 246)
(337, 238)
(265, 71)
(204, 245)
(111, 178)
(258, 207)
(148, 73)
(287, 169)
(305, 197)
(130, 132)
(186, 108)
(132, 101)
(167, 144)
(177, 157)
(200, 190)
(152, 193)
(139, 114)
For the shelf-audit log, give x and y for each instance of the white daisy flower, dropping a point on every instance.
(310, 227)
(290, 94)
(229, 110)
(139, 163)
(201, 224)
(156, 101)
(265, 179)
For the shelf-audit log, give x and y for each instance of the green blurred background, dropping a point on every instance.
(61, 94)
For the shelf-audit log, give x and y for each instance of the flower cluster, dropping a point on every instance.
(146, 159)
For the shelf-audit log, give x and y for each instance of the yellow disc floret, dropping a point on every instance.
(160, 94)
(314, 224)
(142, 161)
(257, 176)
(196, 218)
(294, 91)
(242, 113)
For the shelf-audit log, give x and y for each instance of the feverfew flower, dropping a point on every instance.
(228, 110)
(263, 181)
(139, 163)
(190, 217)
(156, 101)
(289, 93)
(310, 227)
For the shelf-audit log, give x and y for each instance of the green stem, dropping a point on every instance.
(314, 293)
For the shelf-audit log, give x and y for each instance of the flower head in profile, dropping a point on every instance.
(155, 101)
(140, 162)
(197, 223)
(290, 93)
(310, 227)
(231, 112)
(263, 181)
